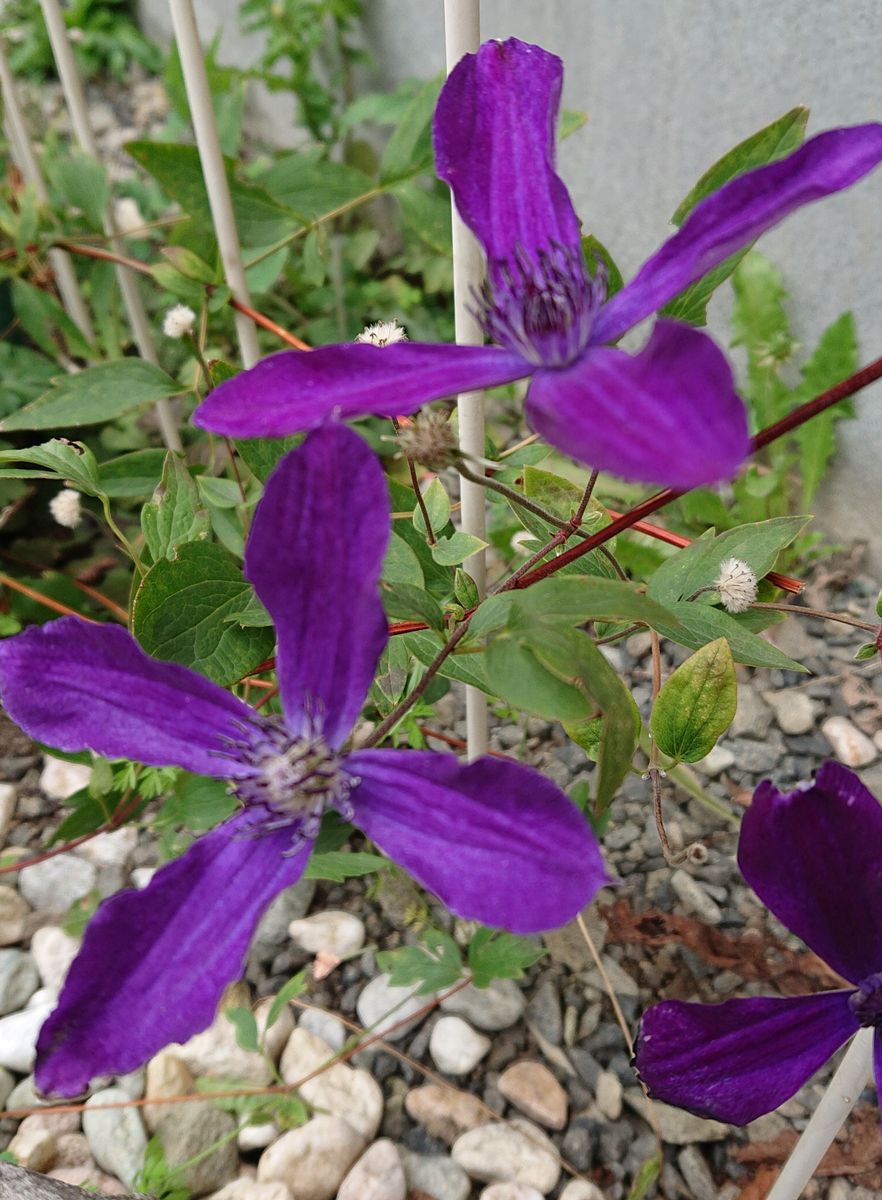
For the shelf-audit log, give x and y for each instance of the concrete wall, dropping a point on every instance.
(669, 86)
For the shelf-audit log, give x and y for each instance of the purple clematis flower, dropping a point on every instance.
(814, 858)
(669, 414)
(495, 840)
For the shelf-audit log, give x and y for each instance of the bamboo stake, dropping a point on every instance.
(79, 114)
(212, 159)
(837, 1102)
(23, 153)
(462, 27)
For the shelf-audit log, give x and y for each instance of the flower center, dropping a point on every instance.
(294, 780)
(866, 1001)
(542, 307)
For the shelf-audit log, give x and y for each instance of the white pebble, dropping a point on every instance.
(60, 779)
(849, 745)
(331, 932)
(456, 1047)
(53, 951)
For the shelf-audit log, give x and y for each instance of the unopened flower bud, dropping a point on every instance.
(429, 439)
(736, 584)
(179, 321)
(384, 333)
(65, 508)
(128, 216)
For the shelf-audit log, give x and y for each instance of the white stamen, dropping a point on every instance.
(736, 584)
(65, 508)
(178, 321)
(384, 333)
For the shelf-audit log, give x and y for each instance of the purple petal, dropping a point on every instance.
(667, 415)
(314, 556)
(814, 857)
(80, 686)
(737, 1060)
(494, 145)
(495, 840)
(737, 214)
(297, 390)
(154, 963)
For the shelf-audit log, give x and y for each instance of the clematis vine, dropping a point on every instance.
(495, 840)
(814, 858)
(668, 414)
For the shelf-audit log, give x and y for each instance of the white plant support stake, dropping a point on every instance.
(79, 114)
(837, 1102)
(212, 159)
(462, 33)
(23, 153)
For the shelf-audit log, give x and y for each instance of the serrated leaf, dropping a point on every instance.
(337, 865)
(451, 551)
(697, 704)
(180, 612)
(246, 1028)
(94, 396)
(175, 514)
(433, 964)
(835, 358)
(495, 955)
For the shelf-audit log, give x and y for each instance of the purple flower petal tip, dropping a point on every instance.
(740, 1059)
(814, 857)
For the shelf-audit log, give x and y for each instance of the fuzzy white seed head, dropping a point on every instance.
(128, 216)
(178, 321)
(737, 585)
(65, 508)
(384, 333)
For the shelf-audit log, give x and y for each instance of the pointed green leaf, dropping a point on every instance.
(697, 704)
(175, 514)
(94, 396)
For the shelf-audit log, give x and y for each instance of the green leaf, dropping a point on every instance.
(401, 564)
(247, 1037)
(410, 146)
(408, 603)
(700, 624)
(596, 253)
(190, 265)
(575, 658)
(866, 651)
(464, 668)
(312, 186)
(131, 475)
(568, 600)
(698, 565)
(834, 359)
(175, 514)
(82, 181)
(765, 146)
(645, 1179)
(437, 504)
(338, 865)
(24, 375)
(433, 964)
(180, 613)
(495, 955)
(569, 121)
(426, 213)
(696, 704)
(465, 589)
(197, 803)
(73, 462)
(263, 455)
(94, 396)
(41, 316)
(260, 219)
(295, 985)
(450, 551)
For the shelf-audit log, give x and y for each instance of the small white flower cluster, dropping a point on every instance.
(736, 584)
(65, 508)
(384, 333)
(178, 321)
